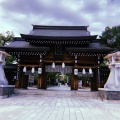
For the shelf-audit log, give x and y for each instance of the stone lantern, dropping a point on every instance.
(3, 80)
(111, 90)
(5, 89)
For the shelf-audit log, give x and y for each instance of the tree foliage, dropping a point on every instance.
(111, 37)
(6, 38)
(10, 59)
(104, 63)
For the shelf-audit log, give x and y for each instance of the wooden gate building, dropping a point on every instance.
(71, 45)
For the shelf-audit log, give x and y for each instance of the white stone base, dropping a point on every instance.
(109, 94)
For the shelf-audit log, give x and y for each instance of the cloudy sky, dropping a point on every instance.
(19, 15)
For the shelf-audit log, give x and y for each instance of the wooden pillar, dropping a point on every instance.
(16, 83)
(23, 79)
(98, 73)
(94, 80)
(74, 82)
(42, 81)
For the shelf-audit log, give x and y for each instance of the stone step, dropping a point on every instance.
(50, 93)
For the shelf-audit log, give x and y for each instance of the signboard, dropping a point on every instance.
(31, 78)
(58, 68)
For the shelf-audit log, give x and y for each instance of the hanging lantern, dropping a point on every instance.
(40, 60)
(83, 71)
(75, 56)
(18, 60)
(90, 71)
(39, 70)
(32, 70)
(40, 56)
(53, 65)
(24, 69)
(75, 61)
(75, 71)
(63, 65)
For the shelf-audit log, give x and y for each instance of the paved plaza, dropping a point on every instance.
(57, 107)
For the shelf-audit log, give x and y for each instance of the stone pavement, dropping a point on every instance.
(43, 107)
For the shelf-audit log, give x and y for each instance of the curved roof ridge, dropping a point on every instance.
(60, 27)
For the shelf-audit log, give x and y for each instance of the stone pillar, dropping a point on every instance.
(113, 80)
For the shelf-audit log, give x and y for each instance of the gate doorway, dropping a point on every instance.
(58, 78)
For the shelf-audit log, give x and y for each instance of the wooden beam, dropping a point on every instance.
(30, 65)
(84, 66)
(66, 61)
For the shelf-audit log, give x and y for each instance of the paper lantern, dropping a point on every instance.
(83, 71)
(40, 60)
(63, 65)
(24, 69)
(39, 70)
(33, 70)
(75, 71)
(53, 65)
(90, 71)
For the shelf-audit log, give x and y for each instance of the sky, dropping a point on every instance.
(19, 15)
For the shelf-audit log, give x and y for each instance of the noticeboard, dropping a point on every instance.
(31, 78)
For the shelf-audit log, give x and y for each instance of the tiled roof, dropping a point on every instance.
(21, 44)
(40, 30)
(59, 33)
(94, 46)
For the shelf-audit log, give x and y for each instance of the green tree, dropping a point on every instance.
(10, 59)
(6, 38)
(111, 37)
